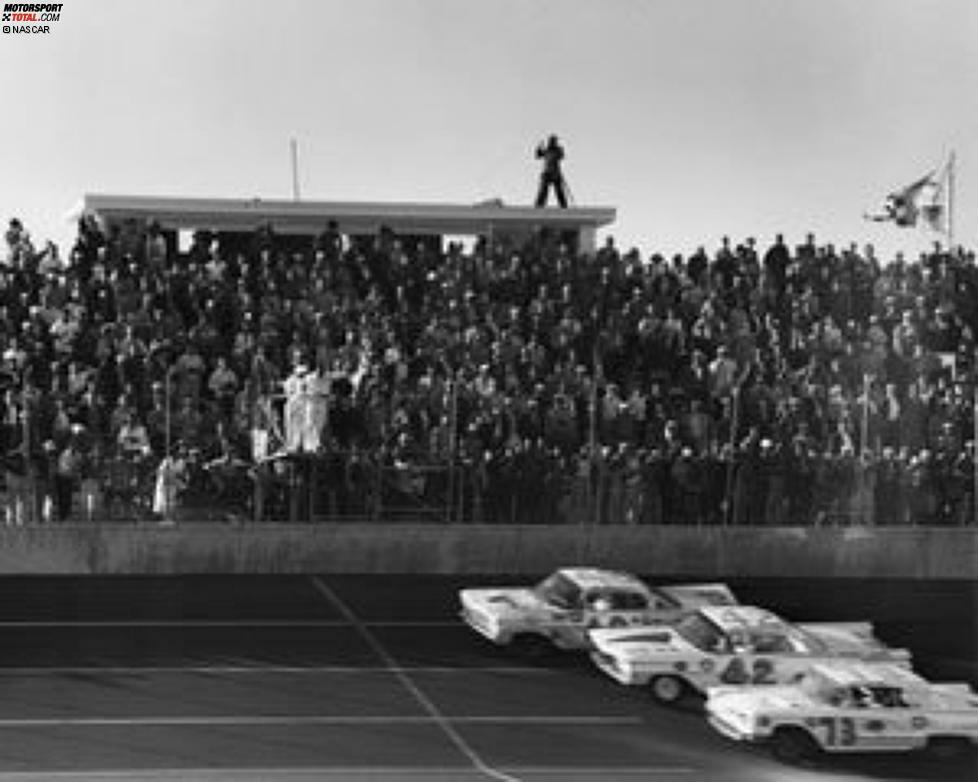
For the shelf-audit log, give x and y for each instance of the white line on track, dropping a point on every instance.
(106, 624)
(231, 721)
(423, 700)
(259, 670)
(452, 773)
(592, 771)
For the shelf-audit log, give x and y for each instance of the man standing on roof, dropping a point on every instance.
(551, 153)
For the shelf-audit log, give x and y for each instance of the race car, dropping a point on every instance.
(849, 706)
(729, 645)
(560, 610)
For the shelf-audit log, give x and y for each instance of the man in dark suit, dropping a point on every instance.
(551, 175)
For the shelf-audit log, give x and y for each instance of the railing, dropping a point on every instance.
(341, 486)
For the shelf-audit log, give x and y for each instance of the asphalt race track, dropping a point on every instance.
(374, 678)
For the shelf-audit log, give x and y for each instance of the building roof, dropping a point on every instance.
(311, 217)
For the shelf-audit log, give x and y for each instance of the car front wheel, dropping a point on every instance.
(793, 746)
(667, 689)
(532, 646)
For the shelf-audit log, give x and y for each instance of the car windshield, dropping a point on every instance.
(560, 591)
(801, 641)
(816, 687)
(702, 633)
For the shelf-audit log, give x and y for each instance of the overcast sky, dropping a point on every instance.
(695, 118)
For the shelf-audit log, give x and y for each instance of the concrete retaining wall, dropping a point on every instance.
(367, 548)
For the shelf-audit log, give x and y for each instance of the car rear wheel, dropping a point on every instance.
(793, 745)
(667, 689)
(532, 646)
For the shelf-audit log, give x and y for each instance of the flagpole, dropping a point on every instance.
(864, 432)
(950, 202)
(974, 449)
(294, 148)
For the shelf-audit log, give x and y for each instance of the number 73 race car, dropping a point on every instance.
(849, 706)
(560, 610)
(729, 645)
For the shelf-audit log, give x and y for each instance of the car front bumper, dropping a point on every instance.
(482, 625)
(730, 730)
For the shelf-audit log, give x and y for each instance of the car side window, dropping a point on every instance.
(739, 641)
(771, 643)
(889, 697)
(628, 601)
(837, 698)
(598, 601)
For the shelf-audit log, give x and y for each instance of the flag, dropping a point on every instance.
(924, 203)
(934, 200)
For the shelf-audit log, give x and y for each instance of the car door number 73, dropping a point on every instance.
(839, 731)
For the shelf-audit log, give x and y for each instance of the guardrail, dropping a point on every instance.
(697, 552)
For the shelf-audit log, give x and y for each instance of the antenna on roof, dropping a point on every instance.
(294, 147)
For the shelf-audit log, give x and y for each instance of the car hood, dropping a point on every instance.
(504, 601)
(640, 643)
(853, 638)
(749, 701)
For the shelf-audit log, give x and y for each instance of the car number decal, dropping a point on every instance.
(839, 731)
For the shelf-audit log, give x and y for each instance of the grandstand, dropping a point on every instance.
(201, 358)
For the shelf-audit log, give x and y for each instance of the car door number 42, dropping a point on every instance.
(761, 672)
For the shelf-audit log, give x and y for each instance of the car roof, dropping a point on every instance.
(590, 578)
(744, 618)
(699, 593)
(850, 673)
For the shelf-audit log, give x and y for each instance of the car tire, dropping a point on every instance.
(667, 689)
(531, 646)
(793, 745)
(947, 747)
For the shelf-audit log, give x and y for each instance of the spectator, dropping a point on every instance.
(223, 384)
(171, 479)
(66, 480)
(723, 373)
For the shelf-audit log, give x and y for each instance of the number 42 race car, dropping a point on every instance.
(729, 645)
(849, 706)
(559, 611)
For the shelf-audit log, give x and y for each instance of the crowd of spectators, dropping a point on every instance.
(507, 382)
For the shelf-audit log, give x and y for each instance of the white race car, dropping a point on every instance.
(561, 609)
(729, 645)
(849, 706)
